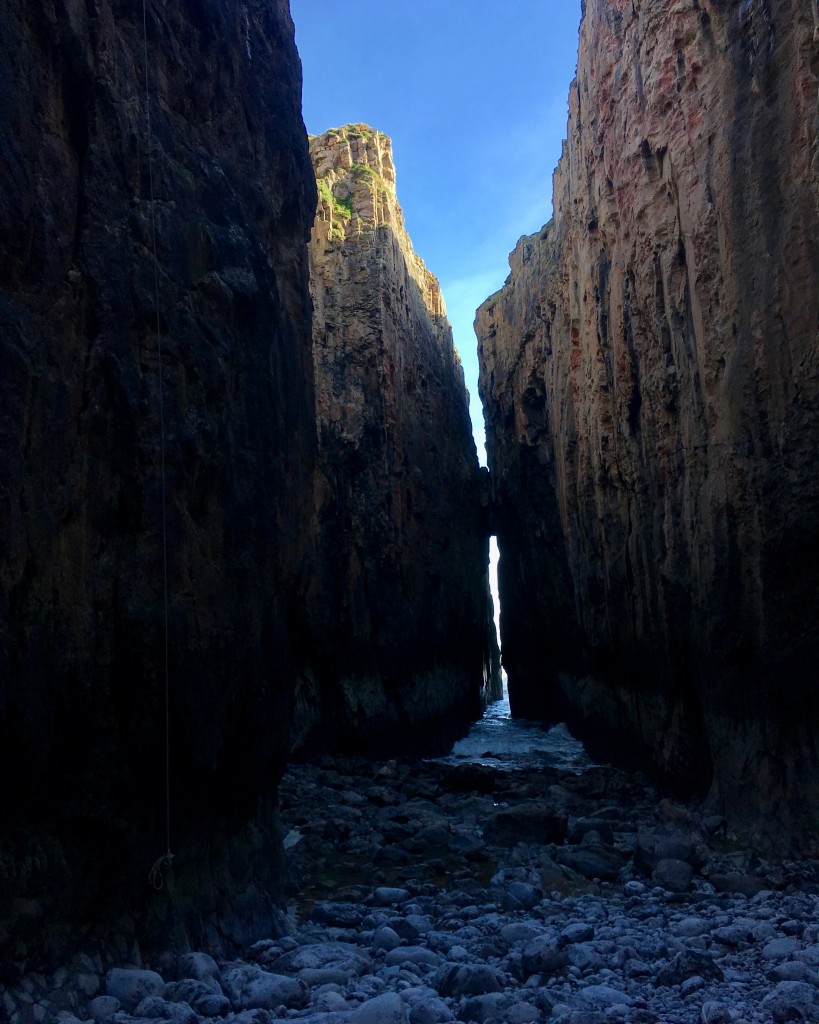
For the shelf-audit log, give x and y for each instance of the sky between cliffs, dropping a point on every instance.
(474, 94)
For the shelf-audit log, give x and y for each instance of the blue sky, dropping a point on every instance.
(474, 94)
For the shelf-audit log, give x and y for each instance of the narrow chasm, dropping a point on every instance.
(263, 757)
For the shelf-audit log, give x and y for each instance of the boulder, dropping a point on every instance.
(252, 988)
(131, 985)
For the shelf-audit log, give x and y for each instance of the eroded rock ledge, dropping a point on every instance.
(650, 377)
(403, 645)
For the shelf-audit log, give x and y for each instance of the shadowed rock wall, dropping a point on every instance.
(81, 579)
(650, 376)
(402, 649)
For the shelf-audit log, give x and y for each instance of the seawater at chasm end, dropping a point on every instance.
(509, 743)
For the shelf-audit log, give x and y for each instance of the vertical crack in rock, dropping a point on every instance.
(650, 377)
(404, 649)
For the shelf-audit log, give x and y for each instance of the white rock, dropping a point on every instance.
(458, 953)
(430, 1011)
(332, 1002)
(492, 1006)
(386, 1009)
(689, 927)
(386, 938)
(201, 967)
(251, 988)
(420, 922)
(603, 996)
(103, 1008)
(781, 949)
(386, 896)
(523, 1013)
(794, 970)
(518, 931)
(206, 997)
(155, 1008)
(417, 955)
(131, 985)
(715, 1013)
(793, 1001)
(577, 931)
(691, 985)
(339, 956)
(810, 954)
(585, 956)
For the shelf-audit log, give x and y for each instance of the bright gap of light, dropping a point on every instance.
(494, 554)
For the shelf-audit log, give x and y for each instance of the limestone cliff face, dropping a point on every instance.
(82, 739)
(650, 376)
(402, 650)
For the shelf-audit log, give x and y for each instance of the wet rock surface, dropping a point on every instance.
(407, 906)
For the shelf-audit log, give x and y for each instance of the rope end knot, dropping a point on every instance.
(156, 876)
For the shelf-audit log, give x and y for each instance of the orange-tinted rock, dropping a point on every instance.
(401, 648)
(650, 375)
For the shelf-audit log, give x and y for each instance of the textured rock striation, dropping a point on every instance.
(82, 311)
(650, 377)
(402, 651)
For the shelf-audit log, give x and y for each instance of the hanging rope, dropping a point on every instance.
(156, 876)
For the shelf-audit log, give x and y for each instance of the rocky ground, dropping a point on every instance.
(426, 892)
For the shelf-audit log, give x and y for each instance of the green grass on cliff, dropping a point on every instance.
(352, 131)
(343, 208)
(363, 173)
(359, 131)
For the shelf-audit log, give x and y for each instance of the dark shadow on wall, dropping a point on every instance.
(402, 649)
(82, 630)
